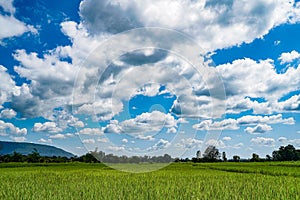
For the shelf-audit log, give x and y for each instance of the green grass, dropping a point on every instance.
(177, 181)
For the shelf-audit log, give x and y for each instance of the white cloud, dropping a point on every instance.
(116, 148)
(217, 143)
(10, 129)
(61, 136)
(260, 128)
(226, 124)
(190, 143)
(91, 131)
(7, 6)
(18, 139)
(8, 113)
(261, 123)
(103, 140)
(282, 139)
(161, 144)
(7, 86)
(291, 104)
(289, 57)
(214, 24)
(50, 127)
(143, 137)
(13, 26)
(51, 86)
(261, 141)
(125, 140)
(144, 123)
(285, 141)
(42, 140)
(262, 80)
(88, 141)
(272, 119)
(172, 130)
(227, 138)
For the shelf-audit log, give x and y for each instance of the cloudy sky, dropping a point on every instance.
(148, 77)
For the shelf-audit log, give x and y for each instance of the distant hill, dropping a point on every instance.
(27, 148)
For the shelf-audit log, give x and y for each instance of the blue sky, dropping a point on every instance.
(90, 74)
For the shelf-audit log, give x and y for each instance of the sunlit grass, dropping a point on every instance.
(177, 181)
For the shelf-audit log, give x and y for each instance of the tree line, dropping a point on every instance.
(211, 154)
(91, 157)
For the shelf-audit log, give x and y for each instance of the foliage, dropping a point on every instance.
(211, 153)
(236, 158)
(286, 153)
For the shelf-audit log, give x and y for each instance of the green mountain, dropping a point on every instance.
(27, 148)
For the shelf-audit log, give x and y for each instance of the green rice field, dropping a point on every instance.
(268, 180)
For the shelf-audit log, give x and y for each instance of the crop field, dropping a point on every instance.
(269, 180)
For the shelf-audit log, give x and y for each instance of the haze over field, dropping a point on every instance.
(80, 75)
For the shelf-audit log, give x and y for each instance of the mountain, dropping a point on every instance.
(27, 148)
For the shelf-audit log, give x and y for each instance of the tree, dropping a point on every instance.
(16, 157)
(255, 158)
(198, 154)
(211, 153)
(34, 157)
(268, 158)
(224, 156)
(236, 158)
(286, 153)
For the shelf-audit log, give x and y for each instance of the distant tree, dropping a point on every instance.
(211, 153)
(224, 156)
(89, 158)
(236, 158)
(16, 157)
(34, 157)
(286, 153)
(268, 158)
(198, 154)
(255, 158)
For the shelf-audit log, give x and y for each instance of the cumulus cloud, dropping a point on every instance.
(7, 86)
(51, 84)
(189, 143)
(286, 141)
(282, 139)
(61, 136)
(272, 119)
(42, 140)
(261, 123)
(226, 138)
(214, 24)
(144, 123)
(91, 131)
(13, 26)
(18, 139)
(8, 113)
(217, 143)
(50, 127)
(88, 141)
(291, 104)
(227, 124)
(260, 128)
(289, 57)
(8, 6)
(147, 137)
(261, 75)
(10, 129)
(161, 144)
(261, 141)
